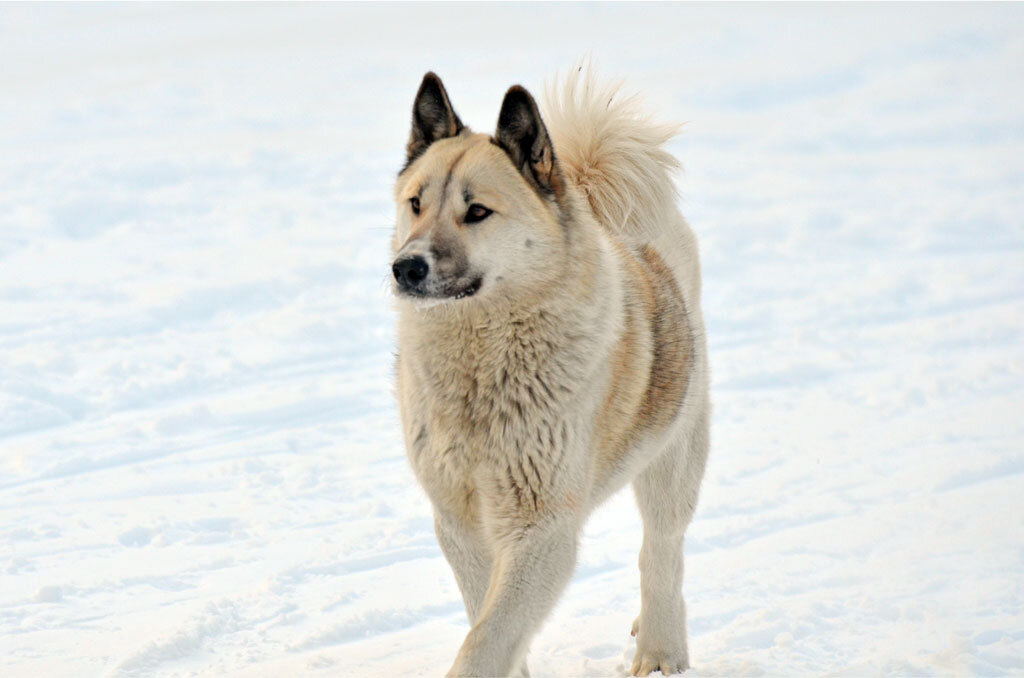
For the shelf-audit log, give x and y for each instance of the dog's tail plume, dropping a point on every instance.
(613, 153)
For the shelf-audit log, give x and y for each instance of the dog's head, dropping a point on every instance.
(477, 215)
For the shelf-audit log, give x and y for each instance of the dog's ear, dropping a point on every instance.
(433, 118)
(525, 139)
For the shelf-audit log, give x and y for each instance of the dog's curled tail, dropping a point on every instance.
(613, 153)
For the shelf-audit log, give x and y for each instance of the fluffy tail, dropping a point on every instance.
(613, 152)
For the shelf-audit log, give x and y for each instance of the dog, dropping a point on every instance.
(550, 349)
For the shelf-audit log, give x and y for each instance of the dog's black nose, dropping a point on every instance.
(410, 271)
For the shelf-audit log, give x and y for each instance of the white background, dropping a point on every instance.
(200, 466)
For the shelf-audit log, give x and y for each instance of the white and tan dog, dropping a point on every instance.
(550, 350)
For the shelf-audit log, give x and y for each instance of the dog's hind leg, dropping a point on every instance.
(666, 493)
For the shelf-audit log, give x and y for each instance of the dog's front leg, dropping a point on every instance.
(470, 561)
(532, 566)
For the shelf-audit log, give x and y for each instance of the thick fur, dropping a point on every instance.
(554, 353)
(613, 153)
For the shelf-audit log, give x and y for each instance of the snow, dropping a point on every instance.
(200, 466)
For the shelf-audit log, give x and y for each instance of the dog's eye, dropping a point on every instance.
(477, 212)
(415, 202)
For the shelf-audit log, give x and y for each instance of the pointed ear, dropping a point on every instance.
(524, 137)
(433, 118)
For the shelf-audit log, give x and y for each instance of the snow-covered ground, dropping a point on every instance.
(200, 466)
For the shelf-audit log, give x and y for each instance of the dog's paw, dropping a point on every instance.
(644, 663)
(657, 655)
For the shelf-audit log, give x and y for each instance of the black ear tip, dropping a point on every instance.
(518, 95)
(518, 108)
(431, 85)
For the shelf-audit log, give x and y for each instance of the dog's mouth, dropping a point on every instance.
(458, 289)
(469, 290)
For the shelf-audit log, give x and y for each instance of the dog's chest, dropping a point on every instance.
(494, 413)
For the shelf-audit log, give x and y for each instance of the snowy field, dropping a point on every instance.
(200, 465)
